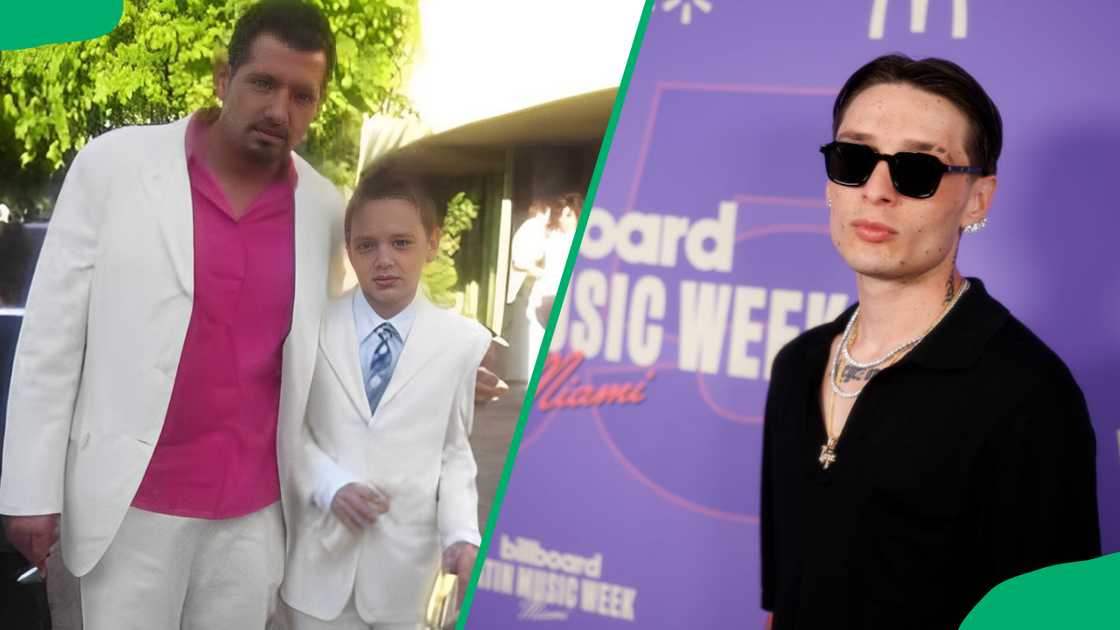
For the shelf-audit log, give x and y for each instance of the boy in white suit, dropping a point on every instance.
(386, 481)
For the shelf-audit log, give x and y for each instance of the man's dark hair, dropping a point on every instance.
(572, 200)
(945, 79)
(539, 206)
(301, 26)
(389, 182)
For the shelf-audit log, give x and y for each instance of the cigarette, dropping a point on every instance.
(30, 576)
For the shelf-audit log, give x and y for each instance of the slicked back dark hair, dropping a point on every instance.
(300, 25)
(945, 79)
(390, 182)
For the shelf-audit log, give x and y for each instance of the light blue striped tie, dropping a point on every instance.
(380, 367)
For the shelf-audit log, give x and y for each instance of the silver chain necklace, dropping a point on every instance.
(845, 340)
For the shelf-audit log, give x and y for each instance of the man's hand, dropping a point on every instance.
(358, 506)
(459, 559)
(33, 536)
(544, 310)
(487, 386)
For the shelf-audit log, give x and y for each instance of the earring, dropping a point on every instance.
(829, 200)
(973, 228)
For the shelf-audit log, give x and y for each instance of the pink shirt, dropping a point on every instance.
(216, 456)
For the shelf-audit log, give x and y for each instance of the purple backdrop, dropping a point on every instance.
(644, 512)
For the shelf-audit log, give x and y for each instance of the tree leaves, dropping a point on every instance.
(156, 66)
(440, 276)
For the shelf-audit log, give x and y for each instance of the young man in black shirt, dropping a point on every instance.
(925, 446)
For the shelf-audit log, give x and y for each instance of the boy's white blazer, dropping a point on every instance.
(415, 447)
(105, 323)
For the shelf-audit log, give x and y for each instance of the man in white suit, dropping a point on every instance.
(387, 477)
(527, 249)
(168, 343)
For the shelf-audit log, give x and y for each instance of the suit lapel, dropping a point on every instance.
(339, 342)
(168, 189)
(315, 222)
(421, 347)
(307, 301)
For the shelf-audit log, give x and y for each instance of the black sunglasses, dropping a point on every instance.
(913, 174)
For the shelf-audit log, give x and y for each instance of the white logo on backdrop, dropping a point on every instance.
(686, 8)
(918, 11)
(551, 584)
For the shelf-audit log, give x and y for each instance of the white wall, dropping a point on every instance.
(483, 58)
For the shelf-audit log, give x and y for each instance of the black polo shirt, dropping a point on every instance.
(968, 462)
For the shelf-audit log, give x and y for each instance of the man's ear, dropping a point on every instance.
(979, 200)
(221, 80)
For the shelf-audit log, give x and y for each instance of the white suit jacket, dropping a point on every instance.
(415, 447)
(104, 326)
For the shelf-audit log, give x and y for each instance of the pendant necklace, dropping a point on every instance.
(828, 449)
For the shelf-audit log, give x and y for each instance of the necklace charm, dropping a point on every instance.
(828, 453)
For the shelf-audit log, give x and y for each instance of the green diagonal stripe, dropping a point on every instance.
(531, 389)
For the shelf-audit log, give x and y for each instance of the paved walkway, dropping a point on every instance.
(493, 428)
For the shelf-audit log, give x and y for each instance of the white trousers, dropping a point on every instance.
(173, 573)
(291, 619)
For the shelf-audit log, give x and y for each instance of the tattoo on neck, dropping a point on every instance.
(951, 285)
(853, 373)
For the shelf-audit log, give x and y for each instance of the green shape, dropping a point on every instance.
(561, 292)
(30, 23)
(1080, 595)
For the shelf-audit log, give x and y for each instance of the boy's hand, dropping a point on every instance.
(358, 506)
(459, 559)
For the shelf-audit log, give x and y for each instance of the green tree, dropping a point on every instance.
(440, 276)
(157, 65)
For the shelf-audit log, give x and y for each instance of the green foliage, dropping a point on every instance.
(440, 276)
(157, 66)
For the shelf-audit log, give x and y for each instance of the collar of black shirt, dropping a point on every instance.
(958, 340)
